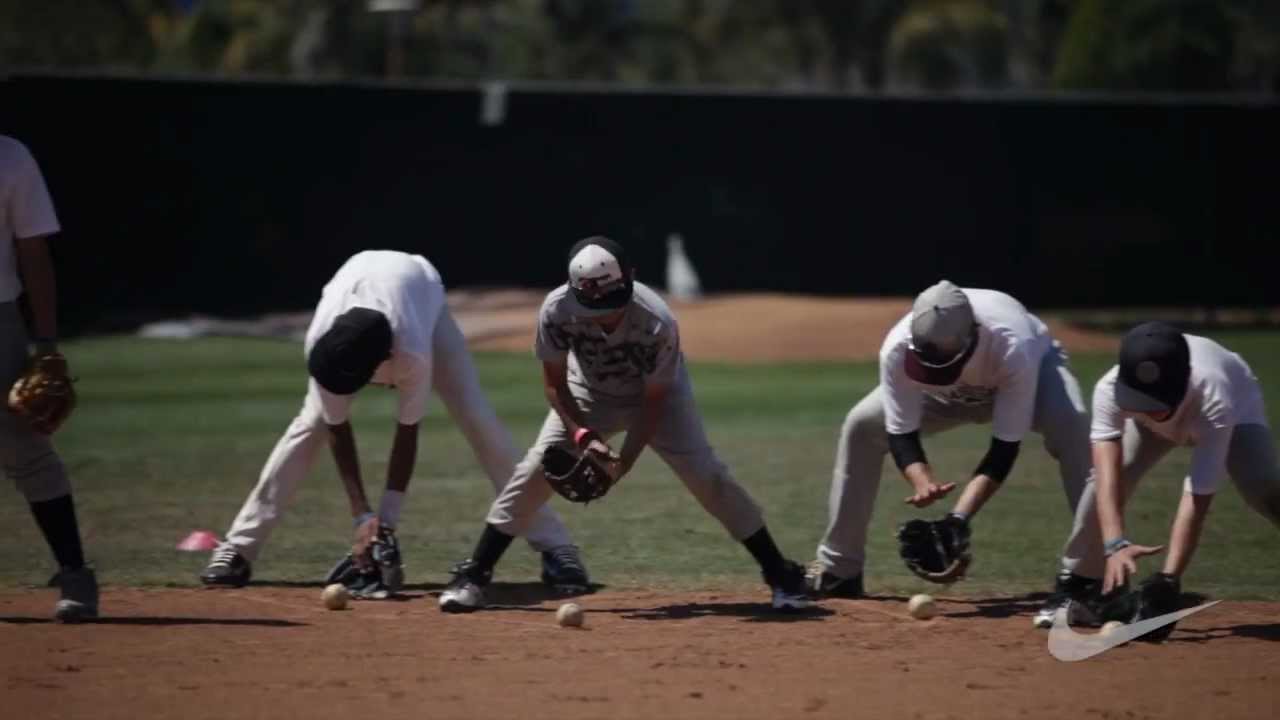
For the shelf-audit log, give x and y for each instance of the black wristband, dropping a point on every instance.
(998, 461)
(906, 449)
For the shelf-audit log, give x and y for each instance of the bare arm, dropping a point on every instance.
(976, 494)
(404, 453)
(1110, 500)
(342, 444)
(40, 281)
(1185, 536)
(1109, 495)
(555, 386)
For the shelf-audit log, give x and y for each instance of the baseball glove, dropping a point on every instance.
(44, 395)
(937, 550)
(1159, 594)
(577, 478)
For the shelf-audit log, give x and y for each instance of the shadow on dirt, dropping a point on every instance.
(160, 621)
(749, 612)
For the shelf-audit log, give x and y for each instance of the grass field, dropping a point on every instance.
(170, 436)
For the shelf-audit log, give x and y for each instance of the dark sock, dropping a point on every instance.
(57, 520)
(493, 542)
(766, 552)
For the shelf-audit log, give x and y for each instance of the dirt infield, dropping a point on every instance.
(740, 328)
(275, 652)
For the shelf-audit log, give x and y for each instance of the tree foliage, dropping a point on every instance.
(870, 45)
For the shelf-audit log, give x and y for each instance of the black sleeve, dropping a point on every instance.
(999, 460)
(906, 449)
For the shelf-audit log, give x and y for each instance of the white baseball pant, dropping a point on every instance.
(456, 382)
(680, 441)
(1060, 417)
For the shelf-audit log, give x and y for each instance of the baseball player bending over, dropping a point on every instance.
(961, 356)
(1169, 388)
(611, 361)
(27, 219)
(382, 320)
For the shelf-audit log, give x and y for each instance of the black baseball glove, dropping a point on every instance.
(935, 550)
(1159, 594)
(576, 478)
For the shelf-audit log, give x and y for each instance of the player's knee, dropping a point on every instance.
(864, 428)
(39, 477)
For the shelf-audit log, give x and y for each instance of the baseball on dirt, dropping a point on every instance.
(1111, 626)
(570, 615)
(922, 607)
(335, 596)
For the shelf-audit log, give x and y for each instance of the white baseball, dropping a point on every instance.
(335, 596)
(922, 607)
(1111, 626)
(570, 615)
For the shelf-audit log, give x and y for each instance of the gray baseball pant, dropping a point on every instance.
(29, 458)
(1060, 417)
(680, 441)
(1251, 464)
(455, 380)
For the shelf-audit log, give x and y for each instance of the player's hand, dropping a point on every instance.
(602, 451)
(1123, 563)
(366, 533)
(929, 492)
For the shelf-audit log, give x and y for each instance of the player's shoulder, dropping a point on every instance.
(648, 300)
(13, 152)
(555, 305)
(895, 341)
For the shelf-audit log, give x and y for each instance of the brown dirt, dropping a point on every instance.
(275, 652)
(740, 328)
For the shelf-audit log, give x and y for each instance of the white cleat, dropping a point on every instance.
(461, 596)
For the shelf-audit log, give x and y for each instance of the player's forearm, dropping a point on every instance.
(918, 474)
(562, 401)
(976, 494)
(1109, 497)
(1185, 535)
(343, 446)
(40, 282)
(404, 453)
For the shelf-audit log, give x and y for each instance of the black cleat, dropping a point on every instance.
(563, 571)
(226, 568)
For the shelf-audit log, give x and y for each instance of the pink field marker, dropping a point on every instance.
(199, 540)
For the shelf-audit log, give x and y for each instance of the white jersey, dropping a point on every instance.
(26, 210)
(1003, 371)
(1221, 393)
(409, 291)
(644, 348)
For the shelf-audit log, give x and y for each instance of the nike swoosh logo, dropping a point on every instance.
(1068, 645)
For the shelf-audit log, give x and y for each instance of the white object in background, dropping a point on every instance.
(682, 279)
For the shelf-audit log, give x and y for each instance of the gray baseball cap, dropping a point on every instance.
(943, 335)
(600, 276)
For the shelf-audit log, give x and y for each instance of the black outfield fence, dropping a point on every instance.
(232, 198)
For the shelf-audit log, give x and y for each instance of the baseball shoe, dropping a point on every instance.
(790, 592)
(822, 584)
(465, 592)
(226, 568)
(79, 599)
(1076, 593)
(563, 571)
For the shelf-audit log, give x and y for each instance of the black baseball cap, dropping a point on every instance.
(600, 275)
(1155, 367)
(345, 357)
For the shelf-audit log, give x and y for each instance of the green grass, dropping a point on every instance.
(170, 436)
